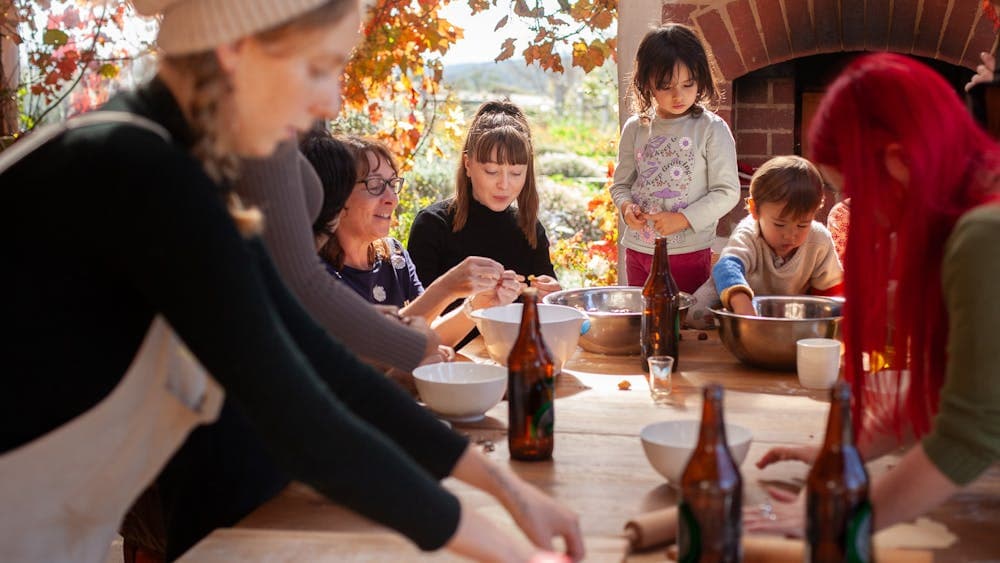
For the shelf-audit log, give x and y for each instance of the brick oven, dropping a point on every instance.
(777, 56)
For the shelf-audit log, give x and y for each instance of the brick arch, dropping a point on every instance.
(746, 35)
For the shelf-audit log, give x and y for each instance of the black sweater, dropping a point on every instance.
(110, 225)
(435, 249)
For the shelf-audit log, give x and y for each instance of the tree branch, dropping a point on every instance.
(84, 61)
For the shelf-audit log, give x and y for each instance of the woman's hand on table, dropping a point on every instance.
(805, 454)
(540, 516)
(480, 539)
(784, 513)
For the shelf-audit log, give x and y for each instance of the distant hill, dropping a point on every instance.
(528, 86)
(503, 78)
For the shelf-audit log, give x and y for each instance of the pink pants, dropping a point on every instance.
(690, 270)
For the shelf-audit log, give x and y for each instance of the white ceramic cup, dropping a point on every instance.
(818, 362)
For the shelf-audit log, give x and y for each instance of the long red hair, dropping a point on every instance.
(898, 232)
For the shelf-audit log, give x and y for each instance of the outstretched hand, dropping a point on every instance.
(984, 72)
(542, 518)
(805, 454)
(783, 514)
(539, 516)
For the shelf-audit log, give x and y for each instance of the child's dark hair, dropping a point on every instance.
(791, 180)
(659, 52)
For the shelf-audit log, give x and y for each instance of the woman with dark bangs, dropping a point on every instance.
(497, 170)
(924, 183)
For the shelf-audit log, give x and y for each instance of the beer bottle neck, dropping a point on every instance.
(660, 249)
(529, 314)
(659, 271)
(838, 425)
(713, 429)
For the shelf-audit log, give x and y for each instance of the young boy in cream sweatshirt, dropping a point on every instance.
(779, 249)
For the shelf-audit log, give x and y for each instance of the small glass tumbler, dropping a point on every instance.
(660, 369)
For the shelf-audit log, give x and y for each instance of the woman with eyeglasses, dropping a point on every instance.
(352, 238)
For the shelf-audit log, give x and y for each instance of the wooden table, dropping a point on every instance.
(600, 471)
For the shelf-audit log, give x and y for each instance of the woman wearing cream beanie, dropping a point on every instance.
(92, 415)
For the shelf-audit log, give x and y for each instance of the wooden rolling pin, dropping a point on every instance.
(660, 527)
(775, 549)
(652, 528)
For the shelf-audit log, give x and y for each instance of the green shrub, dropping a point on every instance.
(563, 209)
(583, 137)
(430, 180)
(568, 165)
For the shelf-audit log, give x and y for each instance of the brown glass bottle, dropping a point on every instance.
(838, 513)
(661, 307)
(711, 505)
(530, 388)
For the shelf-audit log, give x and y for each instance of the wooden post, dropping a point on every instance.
(634, 20)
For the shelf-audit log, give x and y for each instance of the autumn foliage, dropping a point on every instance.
(394, 78)
(395, 75)
(595, 261)
(67, 44)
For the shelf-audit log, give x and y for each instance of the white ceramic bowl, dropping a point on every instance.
(560, 330)
(460, 391)
(668, 445)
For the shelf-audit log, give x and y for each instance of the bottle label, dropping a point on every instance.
(859, 534)
(543, 421)
(688, 535)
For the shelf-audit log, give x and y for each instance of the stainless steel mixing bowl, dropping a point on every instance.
(615, 316)
(768, 339)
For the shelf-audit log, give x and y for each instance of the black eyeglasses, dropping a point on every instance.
(377, 186)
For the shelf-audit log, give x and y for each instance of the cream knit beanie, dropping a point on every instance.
(192, 26)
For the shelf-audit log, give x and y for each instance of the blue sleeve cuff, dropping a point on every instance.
(729, 271)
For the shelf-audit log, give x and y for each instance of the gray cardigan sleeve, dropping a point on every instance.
(279, 185)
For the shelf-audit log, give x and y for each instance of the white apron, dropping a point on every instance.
(63, 495)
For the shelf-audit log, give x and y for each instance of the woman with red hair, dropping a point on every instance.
(924, 182)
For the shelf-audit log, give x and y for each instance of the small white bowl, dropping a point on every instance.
(668, 445)
(560, 330)
(460, 391)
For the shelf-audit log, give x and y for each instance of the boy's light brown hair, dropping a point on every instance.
(791, 180)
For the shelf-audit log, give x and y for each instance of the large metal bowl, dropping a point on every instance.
(615, 316)
(768, 339)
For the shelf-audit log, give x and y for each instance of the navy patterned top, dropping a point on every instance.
(391, 281)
